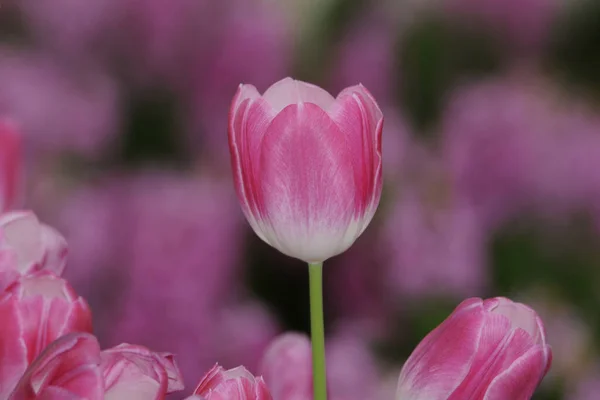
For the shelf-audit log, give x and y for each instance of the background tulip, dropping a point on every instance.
(10, 164)
(307, 166)
(494, 349)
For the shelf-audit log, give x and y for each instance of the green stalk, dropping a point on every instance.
(317, 331)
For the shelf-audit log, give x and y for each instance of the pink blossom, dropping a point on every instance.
(307, 166)
(233, 384)
(67, 369)
(35, 311)
(26, 245)
(494, 349)
(134, 372)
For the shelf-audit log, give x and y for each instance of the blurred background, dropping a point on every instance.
(491, 168)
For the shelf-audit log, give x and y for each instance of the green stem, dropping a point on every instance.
(317, 331)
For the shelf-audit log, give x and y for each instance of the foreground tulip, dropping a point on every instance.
(486, 350)
(26, 246)
(307, 171)
(68, 369)
(10, 164)
(233, 384)
(134, 372)
(35, 311)
(307, 166)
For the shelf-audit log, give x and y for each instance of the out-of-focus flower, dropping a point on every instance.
(492, 133)
(307, 166)
(35, 311)
(526, 24)
(287, 368)
(59, 109)
(373, 39)
(71, 28)
(134, 372)
(10, 164)
(178, 251)
(587, 388)
(26, 246)
(241, 333)
(434, 241)
(512, 146)
(245, 41)
(491, 348)
(67, 369)
(233, 384)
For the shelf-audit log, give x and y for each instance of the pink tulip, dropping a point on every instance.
(134, 372)
(351, 375)
(491, 349)
(287, 367)
(35, 311)
(27, 246)
(10, 164)
(233, 384)
(68, 369)
(307, 166)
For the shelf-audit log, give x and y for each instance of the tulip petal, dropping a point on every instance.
(71, 363)
(13, 352)
(443, 359)
(307, 185)
(289, 91)
(134, 372)
(359, 118)
(522, 378)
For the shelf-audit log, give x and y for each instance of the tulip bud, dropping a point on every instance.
(35, 311)
(134, 372)
(494, 350)
(233, 384)
(10, 164)
(26, 246)
(67, 369)
(307, 166)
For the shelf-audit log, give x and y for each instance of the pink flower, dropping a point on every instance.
(10, 164)
(134, 372)
(232, 384)
(307, 166)
(35, 311)
(491, 349)
(287, 368)
(26, 246)
(67, 369)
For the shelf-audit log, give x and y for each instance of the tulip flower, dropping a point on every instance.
(68, 369)
(10, 164)
(26, 246)
(491, 349)
(307, 166)
(35, 311)
(233, 384)
(134, 372)
(307, 171)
